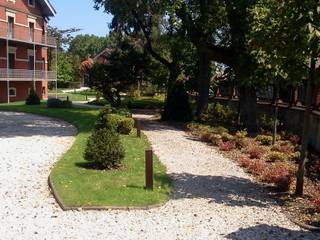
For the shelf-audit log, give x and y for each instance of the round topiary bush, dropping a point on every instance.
(125, 126)
(33, 98)
(54, 103)
(177, 107)
(104, 149)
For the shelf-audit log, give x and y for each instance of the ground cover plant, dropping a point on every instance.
(79, 184)
(272, 165)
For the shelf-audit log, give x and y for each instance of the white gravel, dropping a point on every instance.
(213, 198)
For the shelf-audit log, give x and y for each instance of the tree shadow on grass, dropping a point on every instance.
(268, 232)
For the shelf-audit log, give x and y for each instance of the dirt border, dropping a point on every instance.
(64, 207)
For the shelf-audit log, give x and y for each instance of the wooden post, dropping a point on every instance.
(138, 126)
(149, 170)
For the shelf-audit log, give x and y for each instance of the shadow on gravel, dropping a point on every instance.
(267, 232)
(230, 191)
(27, 125)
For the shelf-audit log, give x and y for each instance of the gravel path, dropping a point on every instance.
(213, 198)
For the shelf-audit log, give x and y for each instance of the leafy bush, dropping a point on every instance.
(255, 152)
(280, 176)
(99, 102)
(125, 126)
(277, 156)
(33, 98)
(226, 137)
(57, 103)
(257, 167)
(227, 146)
(316, 204)
(104, 149)
(245, 162)
(283, 148)
(241, 142)
(264, 139)
(241, 134)
(217, 114)
(177, 107)
(216, 139)
(267, 123)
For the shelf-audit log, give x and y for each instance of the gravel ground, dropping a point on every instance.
(213, 198)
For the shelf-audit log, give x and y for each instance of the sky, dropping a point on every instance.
(80, 14)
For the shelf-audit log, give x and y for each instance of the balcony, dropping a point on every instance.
(23, 34)
(26, 75)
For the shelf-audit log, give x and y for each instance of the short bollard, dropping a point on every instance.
(149, 170)
(138, 126)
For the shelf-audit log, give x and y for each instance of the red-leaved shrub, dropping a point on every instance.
(227, 146)
(295, 139)
(245, 162)
(257, 167)
(316, 204)
(255, 152)
(278, 175)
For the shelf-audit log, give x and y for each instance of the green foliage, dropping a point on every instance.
(83, 45)
(104, 149)
(126, 126)
(217, 114)
(264, 139)
(267, 123)
(33, 98)
(57, 103)
(66, 72)
(177, 107)
(277, 156)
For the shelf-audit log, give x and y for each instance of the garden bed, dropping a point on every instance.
(273, 166)
(79, 185)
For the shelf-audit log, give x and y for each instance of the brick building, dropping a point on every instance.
(24, 45)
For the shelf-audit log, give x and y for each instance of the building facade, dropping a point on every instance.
(24, 46)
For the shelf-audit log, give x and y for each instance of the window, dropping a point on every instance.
(31, 3)
(31, 31)
(12, 60)
(11, 27)
(12, 92)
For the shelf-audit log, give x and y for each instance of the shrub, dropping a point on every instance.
(241, 134)
(219, 130)
(33, 98)
(241, 142)
(295, 139)
(206, 136)
(255, 152)
(245, 162)
(277, 156)
(216, 139)
(227, 146)
(122, 111)
(257, 167)
(57, 103)
(177, 107)
(316, 204)
(217, 114)
(104, 149)
(267, 123)
(280, 176)
(264, 139)
(125, 126)
(226, 137)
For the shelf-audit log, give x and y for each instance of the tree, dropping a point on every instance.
(83, 45)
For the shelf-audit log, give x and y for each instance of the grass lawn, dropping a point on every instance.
(79, 186)
(144, 102)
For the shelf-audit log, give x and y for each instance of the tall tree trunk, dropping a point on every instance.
(306, 127)
(248, 103)
(204, 81)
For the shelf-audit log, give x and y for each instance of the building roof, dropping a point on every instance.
(105, 54)
(48, 9)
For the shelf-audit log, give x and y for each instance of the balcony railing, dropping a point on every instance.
(27, 75)
(24, 34)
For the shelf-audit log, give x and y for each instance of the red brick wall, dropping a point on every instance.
(22, 89)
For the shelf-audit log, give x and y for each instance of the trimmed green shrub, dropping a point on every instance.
(57, 103)
(226, 137)
(177, 107)
(277, 156)
(33, 98)
(125, 126)
(104, 149)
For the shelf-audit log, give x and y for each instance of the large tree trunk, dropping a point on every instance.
(248, 103)
(306, 128)
(204, 81)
